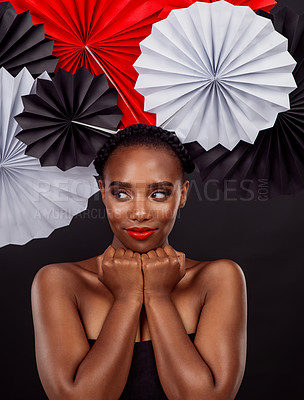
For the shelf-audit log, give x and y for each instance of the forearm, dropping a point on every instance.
(182, 371)
(104, 371)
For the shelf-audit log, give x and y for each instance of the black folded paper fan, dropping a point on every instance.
(53, 116)
(274, 164)
(23, 44)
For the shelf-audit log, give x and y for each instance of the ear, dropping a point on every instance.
(183, 199)
(101, 187)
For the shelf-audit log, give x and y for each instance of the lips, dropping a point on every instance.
(140, 233)
(143, 229)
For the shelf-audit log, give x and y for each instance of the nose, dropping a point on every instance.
(140, 209)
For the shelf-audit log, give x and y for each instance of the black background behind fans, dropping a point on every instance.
(266, 238)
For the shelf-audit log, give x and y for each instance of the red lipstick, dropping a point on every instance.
(140, 233)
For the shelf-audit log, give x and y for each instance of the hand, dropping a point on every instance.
(120, 270)
(163, 268)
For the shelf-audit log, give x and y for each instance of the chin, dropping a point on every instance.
(142, 247)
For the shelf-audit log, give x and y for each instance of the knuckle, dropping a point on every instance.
(176, 263)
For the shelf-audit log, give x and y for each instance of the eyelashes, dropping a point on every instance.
(116, 193)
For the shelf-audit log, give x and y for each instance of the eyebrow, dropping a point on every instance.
(150, 186)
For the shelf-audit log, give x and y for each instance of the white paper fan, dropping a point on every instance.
(215, 73)
(34, 200)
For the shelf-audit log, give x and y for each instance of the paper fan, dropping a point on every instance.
(274, 164)
(34, 200)
(55, 118)
(255, 5)
(215, 73)
(104, 37)
(23, 44)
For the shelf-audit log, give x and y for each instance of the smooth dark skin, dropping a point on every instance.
(141, 290)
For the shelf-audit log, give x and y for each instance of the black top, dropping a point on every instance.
(143, 382)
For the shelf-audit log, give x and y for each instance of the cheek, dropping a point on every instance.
(166, 212)
(116, 212)
(166, 215)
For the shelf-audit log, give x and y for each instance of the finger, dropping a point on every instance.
(161, 253)
(180, 254)
(174, 253)
(169, 250)
(182, 261)
(109, 252)
(151, 254)
(100, 257)
(183, 268)
(129, 253)
(144, 257)
(99, 261)
(136, 255)
(182, 258)
(120, 253)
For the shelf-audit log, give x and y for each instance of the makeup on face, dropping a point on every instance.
(140, 235)
(142, 195)
(140, 232)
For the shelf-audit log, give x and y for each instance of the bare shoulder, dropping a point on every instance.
(212, 276)
(68, 280)
(54, 274)
(57, 279)
(67, 270)
(221, 270)
(49, 282)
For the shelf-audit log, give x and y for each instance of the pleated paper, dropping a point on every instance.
(274, 164)
(56, 117)
(34, 200)
(215, 73)
(104, 37)
(23, 44)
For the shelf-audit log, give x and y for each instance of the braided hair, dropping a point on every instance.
(147, 135)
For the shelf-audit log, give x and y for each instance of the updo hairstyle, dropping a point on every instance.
(144, 135)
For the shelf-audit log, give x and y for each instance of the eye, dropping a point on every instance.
(164, 193)
(122, 195)
(116, 194)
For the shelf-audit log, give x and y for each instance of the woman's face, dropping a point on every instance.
(142, 188)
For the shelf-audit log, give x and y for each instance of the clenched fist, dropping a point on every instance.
(120, 270)
(162, 268)
(130, 274)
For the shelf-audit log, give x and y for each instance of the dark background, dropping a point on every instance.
(264, 237)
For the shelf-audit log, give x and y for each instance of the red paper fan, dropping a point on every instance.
(102, 35)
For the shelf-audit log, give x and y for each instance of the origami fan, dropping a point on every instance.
(56, 118)
(215, 73)
(104, 37)
(34, 200)
(255, 5)
(274, 164)
(23, 44)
